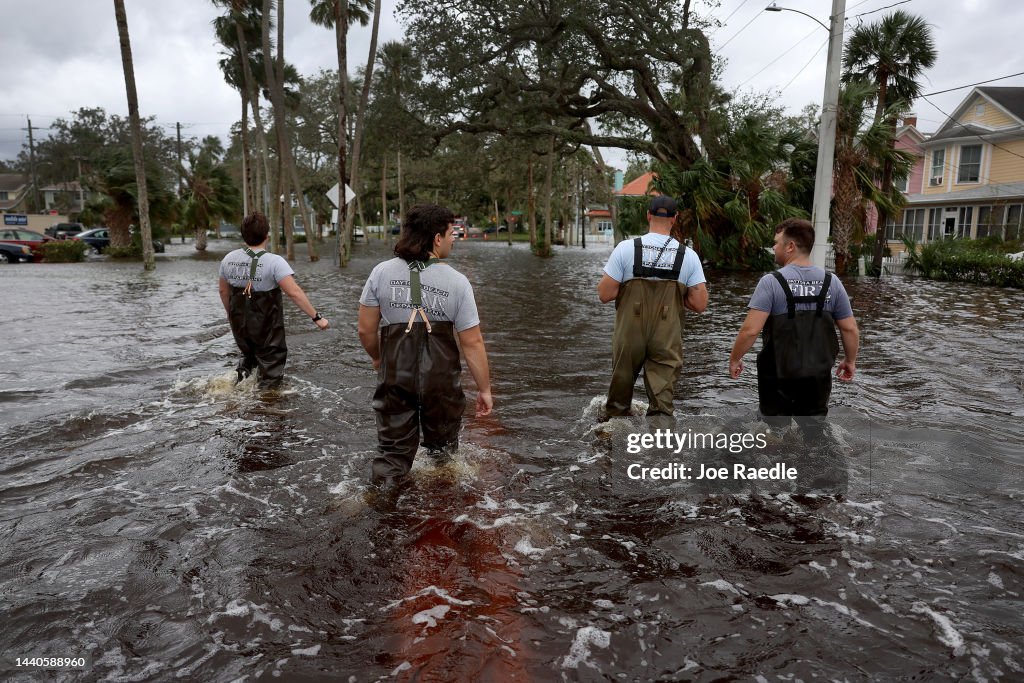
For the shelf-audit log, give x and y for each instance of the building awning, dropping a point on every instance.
(1001, 192)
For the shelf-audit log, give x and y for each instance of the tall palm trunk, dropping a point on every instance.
(364, 99)
(385, 223)
(246, 163)
(282, 194)
(883, 213)
(545, 247)
(149, 263)
(341, 38)
(530, 203)
(254, 102)
(401, 191)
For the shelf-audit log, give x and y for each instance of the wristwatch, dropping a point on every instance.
(317, 316)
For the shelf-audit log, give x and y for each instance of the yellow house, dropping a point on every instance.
(973, 172)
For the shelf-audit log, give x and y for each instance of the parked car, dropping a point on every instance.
(15, 253)
(64, 230)
(396, 229)
(98, 239)
(358, 233)
(33, 240)
(474, 234)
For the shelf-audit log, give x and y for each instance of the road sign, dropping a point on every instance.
(332, 194)
(15, 219)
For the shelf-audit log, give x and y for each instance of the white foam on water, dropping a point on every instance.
(307, 652)
(579, 652)
(429, 590)
(431, 616)
(994, 579)
(722, 585)
(525, 547)
(791, 599)
(947, 633)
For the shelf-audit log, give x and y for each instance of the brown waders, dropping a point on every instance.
(648, 335)
(257, 323)
(419, 389)
(794, 367)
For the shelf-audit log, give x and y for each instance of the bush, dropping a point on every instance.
(64, 251)
(132, 251)
(979, 261)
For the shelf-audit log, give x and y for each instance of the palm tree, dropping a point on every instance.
(400, 69)
(892, 54)
(339, 15)
(209, 191)
(149, 263)
(364, 98)
(863, 148)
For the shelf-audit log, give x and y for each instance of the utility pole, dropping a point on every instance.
(81, 189)
(827, 136)
(32, 165)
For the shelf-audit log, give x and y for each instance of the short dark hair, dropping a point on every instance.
(800, 230)
(421, 224)
(255, 229)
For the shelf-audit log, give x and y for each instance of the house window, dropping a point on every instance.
(979, 110)
(990, 221)
(963, 228)
(911, 225)
(1013, 229)
(938, 163)
(902, 185)
(3, 197)
(935, 224)
(970, 164)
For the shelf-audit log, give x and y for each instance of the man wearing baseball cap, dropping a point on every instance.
(651, 279)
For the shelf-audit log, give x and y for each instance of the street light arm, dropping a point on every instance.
(775, 8)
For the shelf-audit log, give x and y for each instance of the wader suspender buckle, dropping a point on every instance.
(252, 269)
(792, 301)
(640, 270)
(416, 292)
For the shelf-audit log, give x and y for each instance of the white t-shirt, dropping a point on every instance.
(620, 263)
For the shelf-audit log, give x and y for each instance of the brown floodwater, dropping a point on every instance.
(164, 524)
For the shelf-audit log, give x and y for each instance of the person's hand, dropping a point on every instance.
(376, 363)
(484, 403)
(735, 368)
(323, 323)
(846, 370)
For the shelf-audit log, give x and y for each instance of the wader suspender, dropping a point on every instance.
(416, 292)
(252, 269)
(640, 270)
(792, 301)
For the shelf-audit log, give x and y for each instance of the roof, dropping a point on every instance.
(961, 130)
(10, 182)
(599, 212)
(997, 192)
(1010, 99)
(69, 186)
(638, 187)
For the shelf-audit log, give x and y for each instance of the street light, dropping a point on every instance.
(827, 130)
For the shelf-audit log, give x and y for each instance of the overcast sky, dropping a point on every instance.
(60, 55)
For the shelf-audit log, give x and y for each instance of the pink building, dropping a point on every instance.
(908, 137)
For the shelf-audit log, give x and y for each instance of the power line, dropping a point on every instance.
(804, 66)
(864, 14)
(793, 47)
(971, 85)
(734, 12)
(752, 19)
(972, 133)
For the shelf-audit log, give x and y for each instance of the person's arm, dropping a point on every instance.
(225, 294)
(607, 288)
(851, 344)
(472, 342)
(290, 287)
(369, 321)
(696, 298)
(745, 339)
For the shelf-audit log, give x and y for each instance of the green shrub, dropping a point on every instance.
(64, 251)
(979, 261)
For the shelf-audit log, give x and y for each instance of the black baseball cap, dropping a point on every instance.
(662, 206)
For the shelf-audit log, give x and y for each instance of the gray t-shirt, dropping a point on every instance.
(270, 270)
(446, 294)
(803, 281)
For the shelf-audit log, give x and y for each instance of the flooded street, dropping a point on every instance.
(165, 524)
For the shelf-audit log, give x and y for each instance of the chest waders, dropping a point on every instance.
(419, 387)
(648, 334)
(257, 323)
(794, 367)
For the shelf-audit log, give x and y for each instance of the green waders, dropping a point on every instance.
(257, 324)
(419, 389)
(648, 335)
